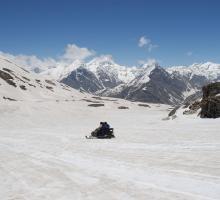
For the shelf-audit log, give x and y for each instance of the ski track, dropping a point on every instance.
(44, 155)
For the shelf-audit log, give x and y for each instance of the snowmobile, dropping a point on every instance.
(102, 134)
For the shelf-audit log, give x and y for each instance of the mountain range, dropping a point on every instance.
(147, 83)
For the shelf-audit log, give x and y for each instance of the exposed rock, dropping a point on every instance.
(66, 89)
(5, 75)
(7, 78)
(17, 77)
(211, 107)
(96, 105)
(10, 99)
(39, 82)
(173, 112)
(24, 70)
(144, 105)
(123, 107)
(32, 85)
(50, 82)
(7, 70)
(192, 98)
(211, 102)
(211, 90)
(49, 88)
(193, 108)
(23, 87)
(27, 79)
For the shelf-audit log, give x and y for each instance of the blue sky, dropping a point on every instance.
(174, 32)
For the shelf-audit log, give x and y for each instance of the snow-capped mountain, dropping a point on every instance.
(99, 74)
(154, 84)
(83, 79)
(108, 71)
(209, 70)
(143, 76)
(62, 70)
(18, 84)
(196, 76)
(148, 83)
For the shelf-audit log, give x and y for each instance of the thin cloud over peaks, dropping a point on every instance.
(71, 53)
(147, 43)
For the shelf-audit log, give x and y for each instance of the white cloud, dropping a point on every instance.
(143, 41)
(149, 61)
(189, 53)
(33, 63)
(146, 42)
(73, 52)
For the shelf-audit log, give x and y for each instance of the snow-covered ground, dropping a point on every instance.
(44, 153)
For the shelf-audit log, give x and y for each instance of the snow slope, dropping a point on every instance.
(44, 153)
(24, 85)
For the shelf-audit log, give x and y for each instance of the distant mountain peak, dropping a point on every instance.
(209, 70)
(105, 60)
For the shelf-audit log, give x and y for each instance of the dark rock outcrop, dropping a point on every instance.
(173, 111)
(193, 108)
(123, 107)
(212, 89)
(96, 105)
(7, 78)
(210, 104)
(49, 88)
(144, 105)
(23, 87)
(50, 82)
(8, 98)
(192, 98)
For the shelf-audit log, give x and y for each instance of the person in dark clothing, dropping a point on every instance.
(103, 131)
(106, 125)
(97, 131)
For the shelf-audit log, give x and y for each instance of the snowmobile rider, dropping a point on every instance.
(102, 130)
(95, 133)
